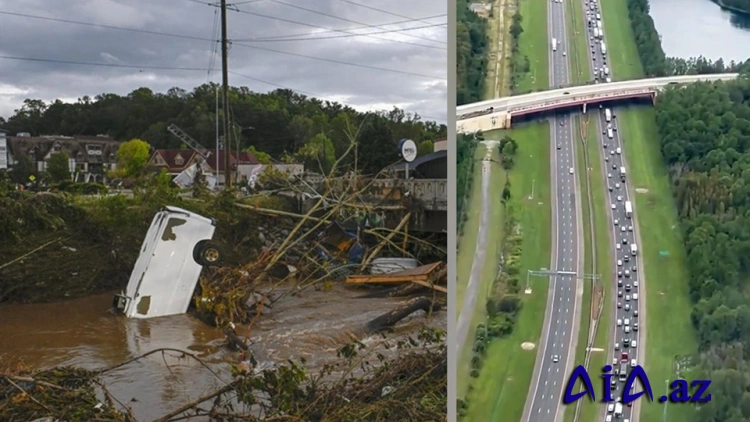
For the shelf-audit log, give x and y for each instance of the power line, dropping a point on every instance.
(211, 40)
(347, 20)
(333, 29)
(310, 94)
(214, 45)
(96, 25)
(128, 66)
(354, 28)
(388, 31)
(364, 66)
(387, 12)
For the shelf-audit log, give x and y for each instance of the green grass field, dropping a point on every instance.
(622, 55)
(668, 328)
(534, 44)
(500, 391)
(466, 256)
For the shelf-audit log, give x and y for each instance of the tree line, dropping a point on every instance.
(280, 123)
(472, 50)
(653, 59)
(704, 132)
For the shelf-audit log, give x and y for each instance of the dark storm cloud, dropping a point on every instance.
(361, 87)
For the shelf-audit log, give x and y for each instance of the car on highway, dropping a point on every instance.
(627, 273)
(610, 188)
(619, 263)
(627, 329)
(619, 283)
(630, 228)
(606, 158)
(619, 150)
(562, 122)
(617, 185)
(618, 247)
(619, 273)
(634, 268)
(555, 358)
(635, 283)
(617, 221)
(565, 53)
(622, 229)
(559, 146)
(627, 307)
(619, 305)
(609, 175)
(617, 346)
(633, 344)
(627, 287)
(627, 298)
(614, 207)
(619, 293)
(571, 170)
(614, 166)
(619, 198)
(626, 258)
(635, 313)
(611, 152)
(635, 296)
(624, 241)
(635, 326)
(619, 323)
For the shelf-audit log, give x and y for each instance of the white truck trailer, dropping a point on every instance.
(607, 115)
(628, 209)
(604, 49)
(618, 410)
(554, 44)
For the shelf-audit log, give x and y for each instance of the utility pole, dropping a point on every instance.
(225, 89)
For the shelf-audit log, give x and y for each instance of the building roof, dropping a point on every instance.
(169, 157)
(37, 147)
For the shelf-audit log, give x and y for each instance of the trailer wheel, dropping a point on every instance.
(207, 254)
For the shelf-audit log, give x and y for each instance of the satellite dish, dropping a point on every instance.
(408, 150)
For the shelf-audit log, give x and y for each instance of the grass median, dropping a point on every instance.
(590, 411)
(466, 255)
(500, 390)
(668, 329)
(577, 44)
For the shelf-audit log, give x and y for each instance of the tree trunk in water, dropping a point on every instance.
(389, 319)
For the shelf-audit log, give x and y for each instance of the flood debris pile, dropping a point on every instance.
(70, 394)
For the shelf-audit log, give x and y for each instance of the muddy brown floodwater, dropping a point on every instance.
(82, 332)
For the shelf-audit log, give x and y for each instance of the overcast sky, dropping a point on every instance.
(420, 55)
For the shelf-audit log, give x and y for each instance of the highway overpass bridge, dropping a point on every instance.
(497, 113)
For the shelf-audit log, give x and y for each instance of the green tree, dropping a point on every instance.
(262, 157)
(132, 157)
(22, 169)
(425, 147)
(58, 167)
(318, 154)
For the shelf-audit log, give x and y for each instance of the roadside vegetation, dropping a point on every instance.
(500, 389)
(705, 141)
(466, 146)
(472, 54)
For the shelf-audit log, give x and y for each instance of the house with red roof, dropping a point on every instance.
(175, 161)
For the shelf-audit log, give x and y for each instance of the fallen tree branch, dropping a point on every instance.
(32, 252)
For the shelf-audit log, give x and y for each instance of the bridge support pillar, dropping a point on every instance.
(507, 121)
(584, 108)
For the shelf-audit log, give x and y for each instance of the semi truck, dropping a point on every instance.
(622, 173)
(604, 49)
(628, 209)
(554, 44)
(608, 115)
(596, 33)
(633, 249)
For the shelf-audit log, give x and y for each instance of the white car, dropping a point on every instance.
(635, 296)
(617, 221)
(617, 185)
(555, 358)
(619, 150)
(619, 198)
(609, 175)
(571, 170)
(618, 247)
(622, 229)
(614, 207)
(627, 298)
(565, 53)
(619, 263)
(635, 283)
(630, 228)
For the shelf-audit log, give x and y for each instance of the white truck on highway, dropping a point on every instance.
(599, 25)
(610, 133)
(622, 173)
(596, 32)
(607, 115)
(606, 70)
(633, 249)
(554, 44)
(628, 209)
(604, 49)
(618, 410)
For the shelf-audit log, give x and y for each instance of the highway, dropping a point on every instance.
(625, 281)
(559, 334)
